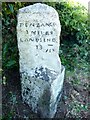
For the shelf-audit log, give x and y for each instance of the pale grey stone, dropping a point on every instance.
(38, 32)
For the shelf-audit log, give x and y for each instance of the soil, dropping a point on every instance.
(73, 103)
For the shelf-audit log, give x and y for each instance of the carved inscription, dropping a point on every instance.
(39, 35)
(27, 24)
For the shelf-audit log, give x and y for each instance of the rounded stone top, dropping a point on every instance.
(38, 8)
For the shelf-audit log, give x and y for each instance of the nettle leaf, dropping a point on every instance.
(11, 8)
(10, 63)
(5, 50)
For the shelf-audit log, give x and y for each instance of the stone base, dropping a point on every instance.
(42, 96)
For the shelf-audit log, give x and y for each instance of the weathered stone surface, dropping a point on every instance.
(42, 75)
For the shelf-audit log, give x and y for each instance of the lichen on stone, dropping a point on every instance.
(45, 73)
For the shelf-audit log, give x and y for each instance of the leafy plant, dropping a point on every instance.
(74, 35)
(9, 34)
